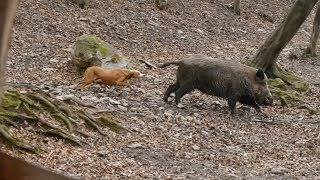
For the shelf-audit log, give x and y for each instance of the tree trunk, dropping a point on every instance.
(311, 49)
(236, 6)
(7, 13)
(270, 50)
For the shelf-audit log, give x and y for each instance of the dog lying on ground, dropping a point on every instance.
(117, 77)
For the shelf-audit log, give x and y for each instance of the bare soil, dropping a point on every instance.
(198, 141)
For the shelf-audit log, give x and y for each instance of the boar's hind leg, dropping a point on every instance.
(183, 89)
(171, 89)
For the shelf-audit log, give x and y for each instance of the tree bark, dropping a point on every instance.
(7, 13)
(236, 6)
(268, 53)
(311, 49)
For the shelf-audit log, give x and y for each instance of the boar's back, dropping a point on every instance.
(216, 76)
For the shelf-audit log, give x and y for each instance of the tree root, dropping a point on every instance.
(288, 88)
(62, 134)
(90, 121)
(6, 135)
(112, 125)
(37, 107)
(291, 78)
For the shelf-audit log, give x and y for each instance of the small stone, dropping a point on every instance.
(279, 170)
(48, 69)
(217, 103)
(54, 60)
(180, 106)
(197, 122)
(205, 133)
(64, 97)
(195, 147)
(196, 115)
(199, 31)
(167, 114)
(161, 108)
(114, 102)
(74, 86)
(122, 108)
(102, 153)
(135, 146)
(91, 98)
(189, 118)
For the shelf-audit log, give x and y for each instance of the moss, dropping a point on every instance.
(96, 44)
(116, 57)
(10, 101)
(276, 83)
(301, 86)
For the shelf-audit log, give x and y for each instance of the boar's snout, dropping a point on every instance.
(268, 100)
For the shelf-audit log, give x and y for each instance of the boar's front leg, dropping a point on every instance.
(183, 89)
(232, 101)
(171, 89)
(257, 107)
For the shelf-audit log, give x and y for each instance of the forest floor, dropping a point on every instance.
(198, 141)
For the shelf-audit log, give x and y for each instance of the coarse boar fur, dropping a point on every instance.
(222, 78)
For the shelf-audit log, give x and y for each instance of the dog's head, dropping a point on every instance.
(136, 74)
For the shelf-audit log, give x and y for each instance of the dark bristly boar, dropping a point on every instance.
(222, 78)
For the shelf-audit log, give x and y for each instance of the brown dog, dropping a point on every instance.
(110, 77)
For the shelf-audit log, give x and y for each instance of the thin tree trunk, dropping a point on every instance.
(7, 13)
(270, 50)
(236, 6)
(311, 49)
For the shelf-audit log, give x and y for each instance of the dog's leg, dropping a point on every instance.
(88, 78)
(122, 83)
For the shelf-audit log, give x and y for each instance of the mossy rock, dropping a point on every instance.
(90, 50)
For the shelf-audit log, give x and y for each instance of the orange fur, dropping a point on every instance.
(110, 77)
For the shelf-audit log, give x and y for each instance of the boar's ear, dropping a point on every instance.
(260, 74)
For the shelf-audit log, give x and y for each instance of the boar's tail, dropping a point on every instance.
(168, 64)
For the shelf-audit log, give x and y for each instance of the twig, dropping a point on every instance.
(182, 3)
(149, 65)
(48, 156)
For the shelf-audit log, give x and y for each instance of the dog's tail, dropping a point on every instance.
(168, 64)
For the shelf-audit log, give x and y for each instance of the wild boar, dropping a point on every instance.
(222, 78)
